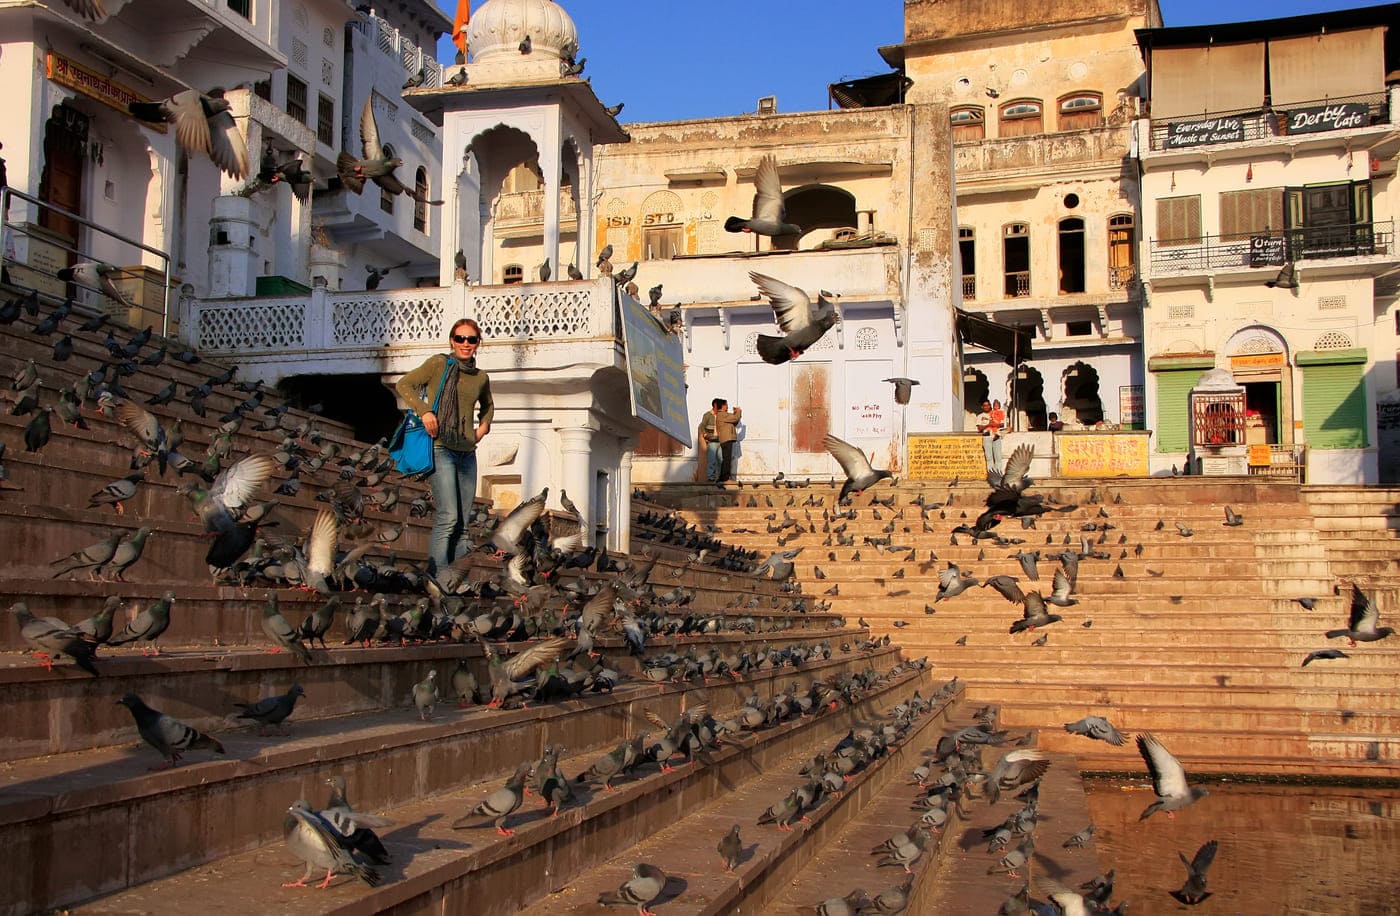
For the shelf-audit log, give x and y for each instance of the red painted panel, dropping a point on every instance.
(811, 407)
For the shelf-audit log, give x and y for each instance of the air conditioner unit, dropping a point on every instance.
(768, 105)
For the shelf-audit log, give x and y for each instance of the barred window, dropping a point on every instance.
(325, 120)
(296, 98)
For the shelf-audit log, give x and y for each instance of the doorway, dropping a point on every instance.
(1261, 411)
(61, 181)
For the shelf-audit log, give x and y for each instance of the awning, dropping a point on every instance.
(1329, 65)
(871, 91)
(1215, 78)
(1012, 343)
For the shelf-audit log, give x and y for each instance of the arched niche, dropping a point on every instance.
(1080, 400)
(818, 209)
(976, 389)
(1027, 398)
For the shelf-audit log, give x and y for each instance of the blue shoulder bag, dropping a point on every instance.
(411, 448)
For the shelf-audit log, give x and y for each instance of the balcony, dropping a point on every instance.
(1018, 284)
(986, 165)
(969, 284)
(856, 274)
(396, 46)
(521, 213)
(1305, 122)
(1368, 242)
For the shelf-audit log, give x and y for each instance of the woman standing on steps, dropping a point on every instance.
(455, 435)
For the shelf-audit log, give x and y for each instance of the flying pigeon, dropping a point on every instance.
(792, 309)
(860, 476)
(767, 218)
(1096, 727)
(99, 276)
(903, 388)
(1363, 624)
(379, 273)
(1232, 518)
(1194, 890)
(1168, 779)
(1016, 768)
(203, 124)
(168, 735)
(1322, 654)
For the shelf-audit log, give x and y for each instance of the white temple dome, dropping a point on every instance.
(499, 26)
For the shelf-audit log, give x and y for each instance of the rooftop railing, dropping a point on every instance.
(1264, 123)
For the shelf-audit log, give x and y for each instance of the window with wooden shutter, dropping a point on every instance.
(1173, 410)
(1179, 221)
(968, 124)
(653, 443)
(1258, 211)
(1334, 406)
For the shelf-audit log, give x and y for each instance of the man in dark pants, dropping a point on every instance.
(725, 422)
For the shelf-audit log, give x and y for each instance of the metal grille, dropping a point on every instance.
(385, 319)
(554, 313)
(251, 326)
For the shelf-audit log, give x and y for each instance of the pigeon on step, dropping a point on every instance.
(272, 710)
(641, 890)
(312, 839)
(168, 735)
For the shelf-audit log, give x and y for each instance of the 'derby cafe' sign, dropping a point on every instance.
(1199, 133)
(1317, 118)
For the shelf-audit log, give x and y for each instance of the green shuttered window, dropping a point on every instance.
(1334, 406)
(1173, 391)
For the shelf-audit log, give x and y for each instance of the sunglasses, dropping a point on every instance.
(470, 338)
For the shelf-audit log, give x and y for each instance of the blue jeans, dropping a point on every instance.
(991, 447)
(454, 487)
(711, 460)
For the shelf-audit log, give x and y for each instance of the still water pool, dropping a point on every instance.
(1284, 850)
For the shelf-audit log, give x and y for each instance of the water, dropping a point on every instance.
(1284, 850)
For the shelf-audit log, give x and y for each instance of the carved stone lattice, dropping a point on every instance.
(270, 326)
(867, 338)
(1257, 345)
(551, 313)
(385, 321)
(1333, 340)
(751, 343)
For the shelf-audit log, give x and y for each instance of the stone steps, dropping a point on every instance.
(772, 859)
(435, 866)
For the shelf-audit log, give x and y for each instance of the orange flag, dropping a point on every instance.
(459, 25)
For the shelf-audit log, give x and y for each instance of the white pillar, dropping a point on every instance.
(552, 169)
(584, 232)
(620, 537)
(575, 449)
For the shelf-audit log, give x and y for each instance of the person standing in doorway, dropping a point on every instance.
(466, 391)
(726, 421)
(991, 437)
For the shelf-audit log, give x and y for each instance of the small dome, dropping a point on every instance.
(499, 26)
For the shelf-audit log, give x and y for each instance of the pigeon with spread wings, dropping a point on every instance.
(203, 124)
(768, 211)
(801, 326)
(860, 476)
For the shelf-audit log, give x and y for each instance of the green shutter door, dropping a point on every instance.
(1334, 406)
(1173, 390)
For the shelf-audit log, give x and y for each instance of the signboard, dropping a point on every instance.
(90, 83)
(655, 370)
(1318, 118)
(1199, 133)
(1260, 456)
(1132, 406)
(1102, 454)
(947, 455)
(1257, 361)
(1267, 250)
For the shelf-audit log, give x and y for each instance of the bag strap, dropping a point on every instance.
(441, 382)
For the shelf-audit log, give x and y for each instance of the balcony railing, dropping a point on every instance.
(1122, 277)
(528, 206)
(395, 44)
(1272, 247)
(969, 287)
(1018, 283)
(1251, 125)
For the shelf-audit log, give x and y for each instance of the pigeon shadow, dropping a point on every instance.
(674, 887)
(1053, 868)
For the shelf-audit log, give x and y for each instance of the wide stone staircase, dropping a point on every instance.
(1197, 639)
(91, 827)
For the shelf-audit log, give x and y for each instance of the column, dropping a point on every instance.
(552, 169)
(575, 449)
(620, 537)
(585, 231)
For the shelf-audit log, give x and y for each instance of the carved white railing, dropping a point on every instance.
(324, 321)
(528, 206)
(394, 44)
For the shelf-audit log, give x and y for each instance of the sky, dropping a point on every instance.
(670, 60)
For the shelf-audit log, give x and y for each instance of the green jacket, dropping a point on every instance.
(472, 388)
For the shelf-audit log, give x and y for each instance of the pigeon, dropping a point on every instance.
(860, 476)
(314, 626)
(98, 627)
(1183, 530)
(416, 80)
(1232, 518)
(425, 695)
(1194, 890)
(526, 46)
(768, 213)
(96, 275)
(148, 431)
(1307, 603)
(646, 884)
(218, 506)
(377, 274)
(51, 638)
(282, 633)
(850, 905)
(893, 899)
(1080, 839)
(312, 838)
(88, 9)
(203, 125)
(1034, 613)
(1363, 623)
(506, 537)
(501, 803)
(272, 710)
(168, 735)
(1016, 768)
(730, 846)
(1096, 727)
(377, 165)
(545, 271)
(126, 555)
(354, 826)
(903, 388)
(148, 625)
(604, 255)
(1321, 654)
(801, 326)
(38, 430)
(90, 557)
(1065, 901)
(1168, 779)
(573, 272)
(614, 110)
